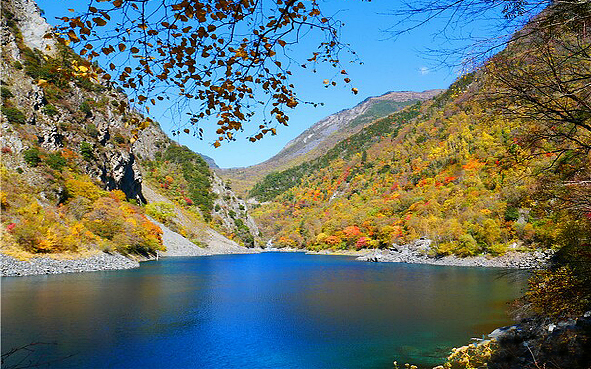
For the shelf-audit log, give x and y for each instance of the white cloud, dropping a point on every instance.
(424, 70)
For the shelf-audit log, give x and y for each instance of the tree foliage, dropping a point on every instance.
(223, 55)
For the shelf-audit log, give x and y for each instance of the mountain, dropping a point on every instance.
(83, 172)
(478, 170)
(210, 161)
(323, 135)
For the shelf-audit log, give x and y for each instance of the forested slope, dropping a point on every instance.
(323, 135)
(477, 169)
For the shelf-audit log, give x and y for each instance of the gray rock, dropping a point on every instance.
(417, 252)
(11, 267)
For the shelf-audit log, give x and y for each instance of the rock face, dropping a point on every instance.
(121, 172)
(113, 162)
(233, 211)
(33, 26)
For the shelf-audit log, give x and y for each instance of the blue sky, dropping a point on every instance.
(388, 65)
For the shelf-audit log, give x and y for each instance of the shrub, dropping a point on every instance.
(161, 211)
(31, 156)
(52, 93)
(86, 151)
(105, 220)
(37, 67)
(13, 115)
(558, 293)
(83, 188)
(467, 246)
(85, 108)
(5, 92)
(119, 139)
(56, 161)
(471, 356)
(18, 65)
(50, 110)
(511, 213)
(91, 130)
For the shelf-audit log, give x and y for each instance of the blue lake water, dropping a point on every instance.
(270, 310)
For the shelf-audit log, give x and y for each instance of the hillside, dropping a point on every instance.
(323, 135)
(478, 170)
(78, 163)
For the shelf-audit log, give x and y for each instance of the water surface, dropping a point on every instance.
(270, 310)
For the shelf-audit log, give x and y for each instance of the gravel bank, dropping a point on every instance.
(11, 267)
(515, 260)
(216, 244)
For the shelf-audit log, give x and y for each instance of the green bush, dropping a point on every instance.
(56, 161)
(38, 68)
(511, 213)
(91, 130)
(50, 110)
(13, 115)
(86, 151)
(31, 156)
(52, 93)
(161, 211)
(86, 84)
(197, 174)
(85, 108)
(5, 92)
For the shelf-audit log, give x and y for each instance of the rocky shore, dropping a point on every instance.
(176, 246)
(12, 267)
(418, 253)
(533, 343)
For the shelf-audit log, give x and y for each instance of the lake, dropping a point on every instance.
(269, 310)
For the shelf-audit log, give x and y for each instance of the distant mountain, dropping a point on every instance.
(323, 135)
(210, 161)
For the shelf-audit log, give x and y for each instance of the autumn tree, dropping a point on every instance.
(220, 58)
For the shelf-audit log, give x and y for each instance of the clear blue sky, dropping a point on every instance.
(388, 65)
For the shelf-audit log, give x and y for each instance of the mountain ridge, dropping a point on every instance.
(324, 134)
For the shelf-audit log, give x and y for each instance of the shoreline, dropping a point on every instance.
(509, 260)
(409, 255)
(46, 265)
(176, 244)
